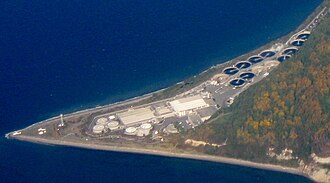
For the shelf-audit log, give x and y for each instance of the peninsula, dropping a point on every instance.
(164, 122)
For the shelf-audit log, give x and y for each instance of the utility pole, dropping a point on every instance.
(62, 121)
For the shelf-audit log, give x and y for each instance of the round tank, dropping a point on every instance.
(290, 51)
(144, 130)
(283, 58)
(243, 65)
(298, 42)
(112, 125)
(230, 70)
(141, 132)
(102, 121)
(98, 129)
(146, 126)
(130, 131)
(255, 59)
(237, 82)
(247, 75)
(304, 35)
(267, 53)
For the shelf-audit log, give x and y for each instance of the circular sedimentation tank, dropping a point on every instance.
(267, 53)
(102, 121)
(247, 75)
(146, 126)
(112, 125)
(230, 70)
(243, 65)
(98, 129)
(144, 130)
(290, 51)
(237, 82)
(131, 130)
(283, 58)
(298, 42)
(304, 35)
(255, 59)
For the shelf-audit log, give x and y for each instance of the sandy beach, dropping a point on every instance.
(148, 151)
(218, 159)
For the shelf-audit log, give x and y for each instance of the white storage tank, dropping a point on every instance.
(97, 129)
(144, 130)
(130, 131)
(113, 125)
(102, 121)
(146, 126)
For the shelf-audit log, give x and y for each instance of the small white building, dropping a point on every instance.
(162, 110)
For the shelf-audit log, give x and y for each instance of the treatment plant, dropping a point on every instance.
(131, 121)
(197, 105)
(192, 108)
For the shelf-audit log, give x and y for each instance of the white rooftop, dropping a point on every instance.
(188, 103)
(134, 116)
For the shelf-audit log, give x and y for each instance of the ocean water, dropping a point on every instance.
(60, 56)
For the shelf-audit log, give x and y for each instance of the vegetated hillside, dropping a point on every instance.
(290, 108)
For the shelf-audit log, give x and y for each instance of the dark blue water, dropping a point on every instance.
(59, 56)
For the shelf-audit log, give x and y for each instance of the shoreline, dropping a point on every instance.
(226, 63)
(164, 153)
(184, 155)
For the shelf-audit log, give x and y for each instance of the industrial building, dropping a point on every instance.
(136, 116)
(207, 112)
(170, 129)
(185, 106)
(195, 119)
(162, 110)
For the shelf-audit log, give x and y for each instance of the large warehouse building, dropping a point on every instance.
(136, 116)
(186, 105)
